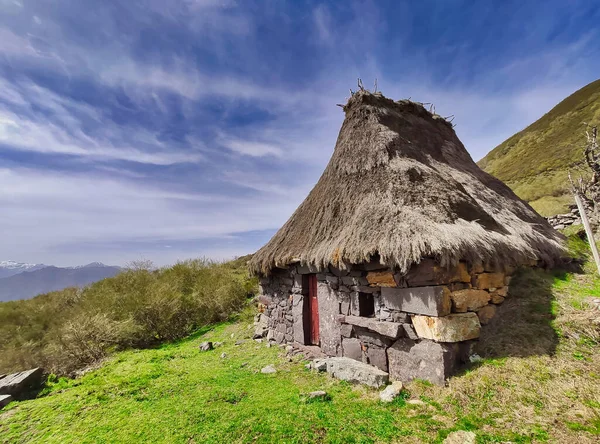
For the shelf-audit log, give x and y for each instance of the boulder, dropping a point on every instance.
(390, 329)
(484, 281)
(486, 314)
(269, 369)
(434, 362)
(206, 346)
(319, 394)
(452, 328)
(461, 437)
(5, 400)
(17, 383)
(319, 365)
(381, 278)
(431, 301)
(356, 372)
(391, 392)
(469, 300)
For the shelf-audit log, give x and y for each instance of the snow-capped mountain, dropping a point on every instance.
(32, 281)
(10, 268)
(90, 265)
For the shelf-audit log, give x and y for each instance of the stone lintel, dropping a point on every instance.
(390, 329)
(431, 301)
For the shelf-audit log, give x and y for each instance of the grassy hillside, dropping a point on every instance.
(535, 161)
(539, 382)
(66, 330)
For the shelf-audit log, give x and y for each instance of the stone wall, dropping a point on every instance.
(561, 221)
(418, 325)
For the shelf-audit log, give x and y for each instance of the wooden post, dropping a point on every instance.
(588, 230)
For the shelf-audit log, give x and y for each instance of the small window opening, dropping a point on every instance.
(366, 305)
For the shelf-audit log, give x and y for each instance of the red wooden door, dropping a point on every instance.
(313, 309)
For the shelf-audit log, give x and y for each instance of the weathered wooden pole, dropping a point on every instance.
(588, 230)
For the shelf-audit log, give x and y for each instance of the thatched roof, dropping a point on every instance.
(401, 186)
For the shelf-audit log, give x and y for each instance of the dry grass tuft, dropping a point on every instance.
(540, 376)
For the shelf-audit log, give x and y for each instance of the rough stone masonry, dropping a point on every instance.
(419, 325)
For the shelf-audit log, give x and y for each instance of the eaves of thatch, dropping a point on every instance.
(401, 186)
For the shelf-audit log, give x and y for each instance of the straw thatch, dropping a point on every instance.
(400, 186)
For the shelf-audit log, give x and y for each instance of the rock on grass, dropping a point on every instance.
(391, 392)
(460, 437)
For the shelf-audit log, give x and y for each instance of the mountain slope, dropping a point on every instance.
(10, 268)
(31, 283)
(535, 161)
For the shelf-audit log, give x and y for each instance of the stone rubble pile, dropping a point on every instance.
(561, 221)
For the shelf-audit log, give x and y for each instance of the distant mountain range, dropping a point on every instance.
(10, 268)
(23, 281)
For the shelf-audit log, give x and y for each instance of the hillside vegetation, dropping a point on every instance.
(539, 381)
(140, 307)
(535, 161)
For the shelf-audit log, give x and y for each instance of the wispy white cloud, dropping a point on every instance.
(50, 210)
(322, 23)
(59, 130)
(253, 149)
(47, 138)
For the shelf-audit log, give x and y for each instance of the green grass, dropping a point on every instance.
(141, 307)
(532, 392)
(535, 161)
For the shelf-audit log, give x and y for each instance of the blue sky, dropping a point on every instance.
(159, 130)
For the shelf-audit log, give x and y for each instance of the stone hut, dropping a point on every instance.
(402, 250)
